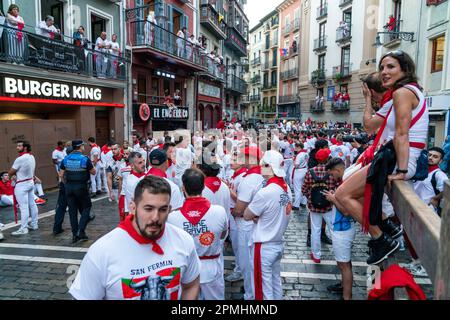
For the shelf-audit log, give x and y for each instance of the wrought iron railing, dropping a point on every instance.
(289, 74)
(316, 106)
(343, 3)
(288, 99)
(318, 77)
(209, 15)
(256, 61)
(320, 43)
(255, 98)
(322, 11)
(342, 71)
(340, 105)
(343, 33)
(236, 84)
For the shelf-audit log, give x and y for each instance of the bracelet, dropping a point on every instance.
(402, 171)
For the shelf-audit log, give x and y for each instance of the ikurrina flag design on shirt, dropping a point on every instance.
(164, 285)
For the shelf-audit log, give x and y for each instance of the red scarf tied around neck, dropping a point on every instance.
(194, 209)
(213, 183)
(127, 225)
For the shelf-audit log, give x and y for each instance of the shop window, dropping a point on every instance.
(155, 91)
(437, 59)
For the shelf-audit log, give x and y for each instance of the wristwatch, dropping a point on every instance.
(402, 171)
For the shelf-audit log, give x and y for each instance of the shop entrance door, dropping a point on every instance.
(101, 127)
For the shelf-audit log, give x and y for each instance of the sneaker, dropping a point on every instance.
(93, 195)
(75, 239)
(43, 197)
(1, 236)
(336, 288)
(418, 271)
(382, 248)
(324, 238)
(82, 236)
(391, 228)
(234, 277)
(55, 233)
(91, 218)
(20, 232)
(308, 240)
(40, 201)
(99, 192)
(314, 258)
(33, 227)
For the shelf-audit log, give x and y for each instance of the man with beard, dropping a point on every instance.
(143, 249)
(137, 164)
(112, 172)
(124, 172)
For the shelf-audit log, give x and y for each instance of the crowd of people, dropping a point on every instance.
(182, 200)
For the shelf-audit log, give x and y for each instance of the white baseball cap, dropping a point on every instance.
(276, 161)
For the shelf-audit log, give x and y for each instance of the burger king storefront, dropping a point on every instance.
(43, 111)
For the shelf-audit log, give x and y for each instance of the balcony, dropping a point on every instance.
(59, 53)
(291, 52)
(316, 106)
(269, 86)
(287, 29)
(296, 24)
(274, 22)
(236, 84)
(267, 64)
(288, 99)
(274, 43)
(342, 72)
(256, 79)
(322, 11)
(344, 34)
(320, 44)
(158, 43)
(255, 98)
(215, 71)
(209, 18)
(392, 38)
(340, 106)
(289, 111)
(274, 64)
(236, 42)
(344, 3)
(245, 99)
(256, 61)
(289, 74)
(318, 77)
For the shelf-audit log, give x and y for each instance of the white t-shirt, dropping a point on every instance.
(235, 185)
(171, 172)
(136, 147)
(114, 45)
(176, 198)
(341, 151)
(25, 166)
(301, 160)
(129, 185)
(221, 197)
(95, 151)
(206, 235)
(44, 30)
(273, 207)
(116, 260)
(246, 191)
(59, 156)
(102, 42)
(424, 189)
(184, 161)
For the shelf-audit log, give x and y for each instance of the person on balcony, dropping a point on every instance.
(390, 26)
(15, 37)
(181, 40)
(47, 29)
(346, 98)
(190, 46)
(79, 39)
(102, 45)
(115, 53)
(149, 29)
(168, 100)
(294, 46)
(177, 98)
(319, 100)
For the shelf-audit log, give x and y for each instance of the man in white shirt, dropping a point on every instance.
(144, 258)
(183, 159)
(298, 175)
(102, 45)
(23, 168)
(169, 148)
(159, 162)
(270, 210)
(251, 183)
(341, 151)
(96, 183)
(137, 173)
(115, 52)
(58, 155)
(46, 28)
(112, 172)
(207, 224)
(123, 174)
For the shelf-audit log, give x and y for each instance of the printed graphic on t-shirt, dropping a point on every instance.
(164, 285)
(285, 202)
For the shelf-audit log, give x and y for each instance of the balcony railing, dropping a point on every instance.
(269, 85)
(340, 106)
(289, 74)
(215, 70)
(287, 28)
(288, 99)
(60, 53)
(316, 106)
(296, 24)
(320, 43)
(394, 37)
(292, 51)
(322, 11)
(209, 18)
(256, 61)
(343, 3)
(236, 42)
(344, 34)
(161, 41)
(274, 42)
(255, 98)
(235, 83)
(343, 71)
(256, 79)
(268, 64)
(318, 77)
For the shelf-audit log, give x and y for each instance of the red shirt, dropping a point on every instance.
(220, 124)
(6, 188)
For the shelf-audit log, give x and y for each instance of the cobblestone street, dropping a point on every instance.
(42, 266)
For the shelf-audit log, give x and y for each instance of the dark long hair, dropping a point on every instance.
(407, 65)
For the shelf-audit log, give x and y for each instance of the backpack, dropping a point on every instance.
(436, 191)
(318, 200)
(422, 167)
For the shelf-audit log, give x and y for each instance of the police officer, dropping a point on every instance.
(75, 170)
(61, 205)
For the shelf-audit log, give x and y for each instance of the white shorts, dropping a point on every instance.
(342, 244)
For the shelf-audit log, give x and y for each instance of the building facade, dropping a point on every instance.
(255, 71)
(338, 50)
(57, 87)
(288, 104)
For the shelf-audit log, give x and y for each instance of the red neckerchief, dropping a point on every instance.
(118, 158)
(432, 168)
(23, 153)
(256, 169)
(94, 145)
(170, 162)
(105, 149)
(387, 97)
(213, 183)
(161, 145)
(279, 181)
(59, 149)
(303, 151)
(338, 143)
(128, 227)
(194, 209)
(239, 172)
(291, 141)
(139, 175)
(156, 172)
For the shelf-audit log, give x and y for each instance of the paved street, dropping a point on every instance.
(41, 266)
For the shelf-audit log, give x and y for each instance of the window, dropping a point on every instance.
(397, 13)
(260, 36)
(98, 25)
(254, 38)
(142, 89)
(321, 65)
(322, 30)
(437, 59)
(285, 89)
(55, 9)
(274, 55)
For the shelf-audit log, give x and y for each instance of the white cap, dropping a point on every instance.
(276, 162)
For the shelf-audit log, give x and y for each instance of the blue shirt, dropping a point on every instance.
(341, 222)
(77, 167)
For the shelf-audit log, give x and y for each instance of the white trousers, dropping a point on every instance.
(288, 165)
(244, 253)
(38, 188)
(266, 270)
(6, 201)
(316, 230)
(24, 193)
(234, 235)
(299, 178)
(96, 182)
(214, 290)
